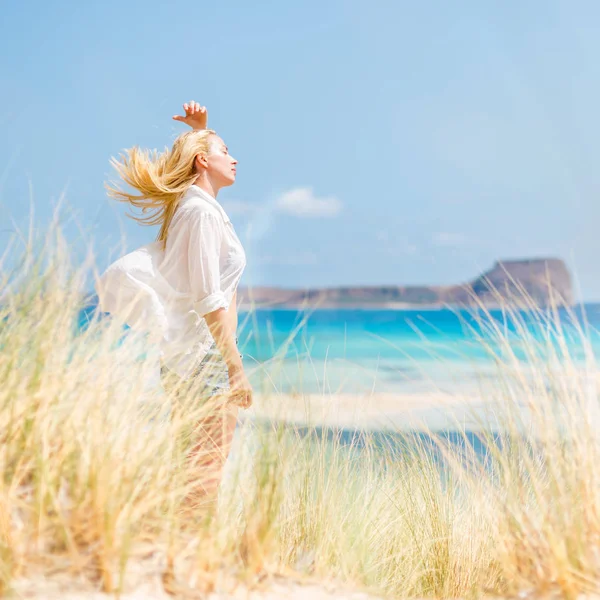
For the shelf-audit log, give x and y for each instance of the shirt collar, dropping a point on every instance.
(197, 192)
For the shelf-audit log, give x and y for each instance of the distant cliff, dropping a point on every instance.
(507, 281)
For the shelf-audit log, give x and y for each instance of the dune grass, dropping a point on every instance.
(94, 474)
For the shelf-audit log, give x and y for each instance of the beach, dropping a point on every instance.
(372, 412)
(331, 505)
(148, 585)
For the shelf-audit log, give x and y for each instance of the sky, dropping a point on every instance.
(382, 143)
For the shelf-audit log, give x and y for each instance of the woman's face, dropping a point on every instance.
(220, 164)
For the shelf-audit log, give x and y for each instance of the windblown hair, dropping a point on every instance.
(161, 179)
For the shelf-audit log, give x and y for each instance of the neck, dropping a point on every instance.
(206, 184)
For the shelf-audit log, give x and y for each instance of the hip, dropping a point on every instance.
(210, 377)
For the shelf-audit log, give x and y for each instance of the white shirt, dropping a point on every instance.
(167, 293)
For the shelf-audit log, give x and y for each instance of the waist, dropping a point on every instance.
(176, 359)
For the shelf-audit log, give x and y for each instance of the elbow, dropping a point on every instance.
(215, 317)
(210, 304)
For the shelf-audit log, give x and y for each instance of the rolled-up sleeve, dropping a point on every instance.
(206, 236)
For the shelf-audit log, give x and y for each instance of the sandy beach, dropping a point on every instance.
(144, 580)
(152, 588)
(387, 411)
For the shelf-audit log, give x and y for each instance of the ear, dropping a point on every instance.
(201, 159)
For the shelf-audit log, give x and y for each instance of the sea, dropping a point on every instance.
(408, 354)
(364, 351)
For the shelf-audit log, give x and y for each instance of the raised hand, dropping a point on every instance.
(196, 116)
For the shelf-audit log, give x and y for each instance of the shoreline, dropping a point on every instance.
(244, 307)
(408, 307)
(381, 411)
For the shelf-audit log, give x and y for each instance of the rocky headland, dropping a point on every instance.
(538, 281)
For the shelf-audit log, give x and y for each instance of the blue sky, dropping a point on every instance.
(383, 143)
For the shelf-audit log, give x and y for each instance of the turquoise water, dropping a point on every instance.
(399, 351)
(395, 350)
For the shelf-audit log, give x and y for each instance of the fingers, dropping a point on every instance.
(191, 108)
(243, 402)
(241, 399)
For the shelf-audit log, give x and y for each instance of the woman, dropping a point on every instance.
(184, 285)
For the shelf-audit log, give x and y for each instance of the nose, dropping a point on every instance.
(235, 162)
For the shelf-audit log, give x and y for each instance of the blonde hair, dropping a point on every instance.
(161, 179)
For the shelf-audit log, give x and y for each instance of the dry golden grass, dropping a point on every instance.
(94, 477)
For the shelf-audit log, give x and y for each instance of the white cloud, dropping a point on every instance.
(448, 239)
(302, 202)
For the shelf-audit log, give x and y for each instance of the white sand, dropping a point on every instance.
(148, 585)
(372, 411)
